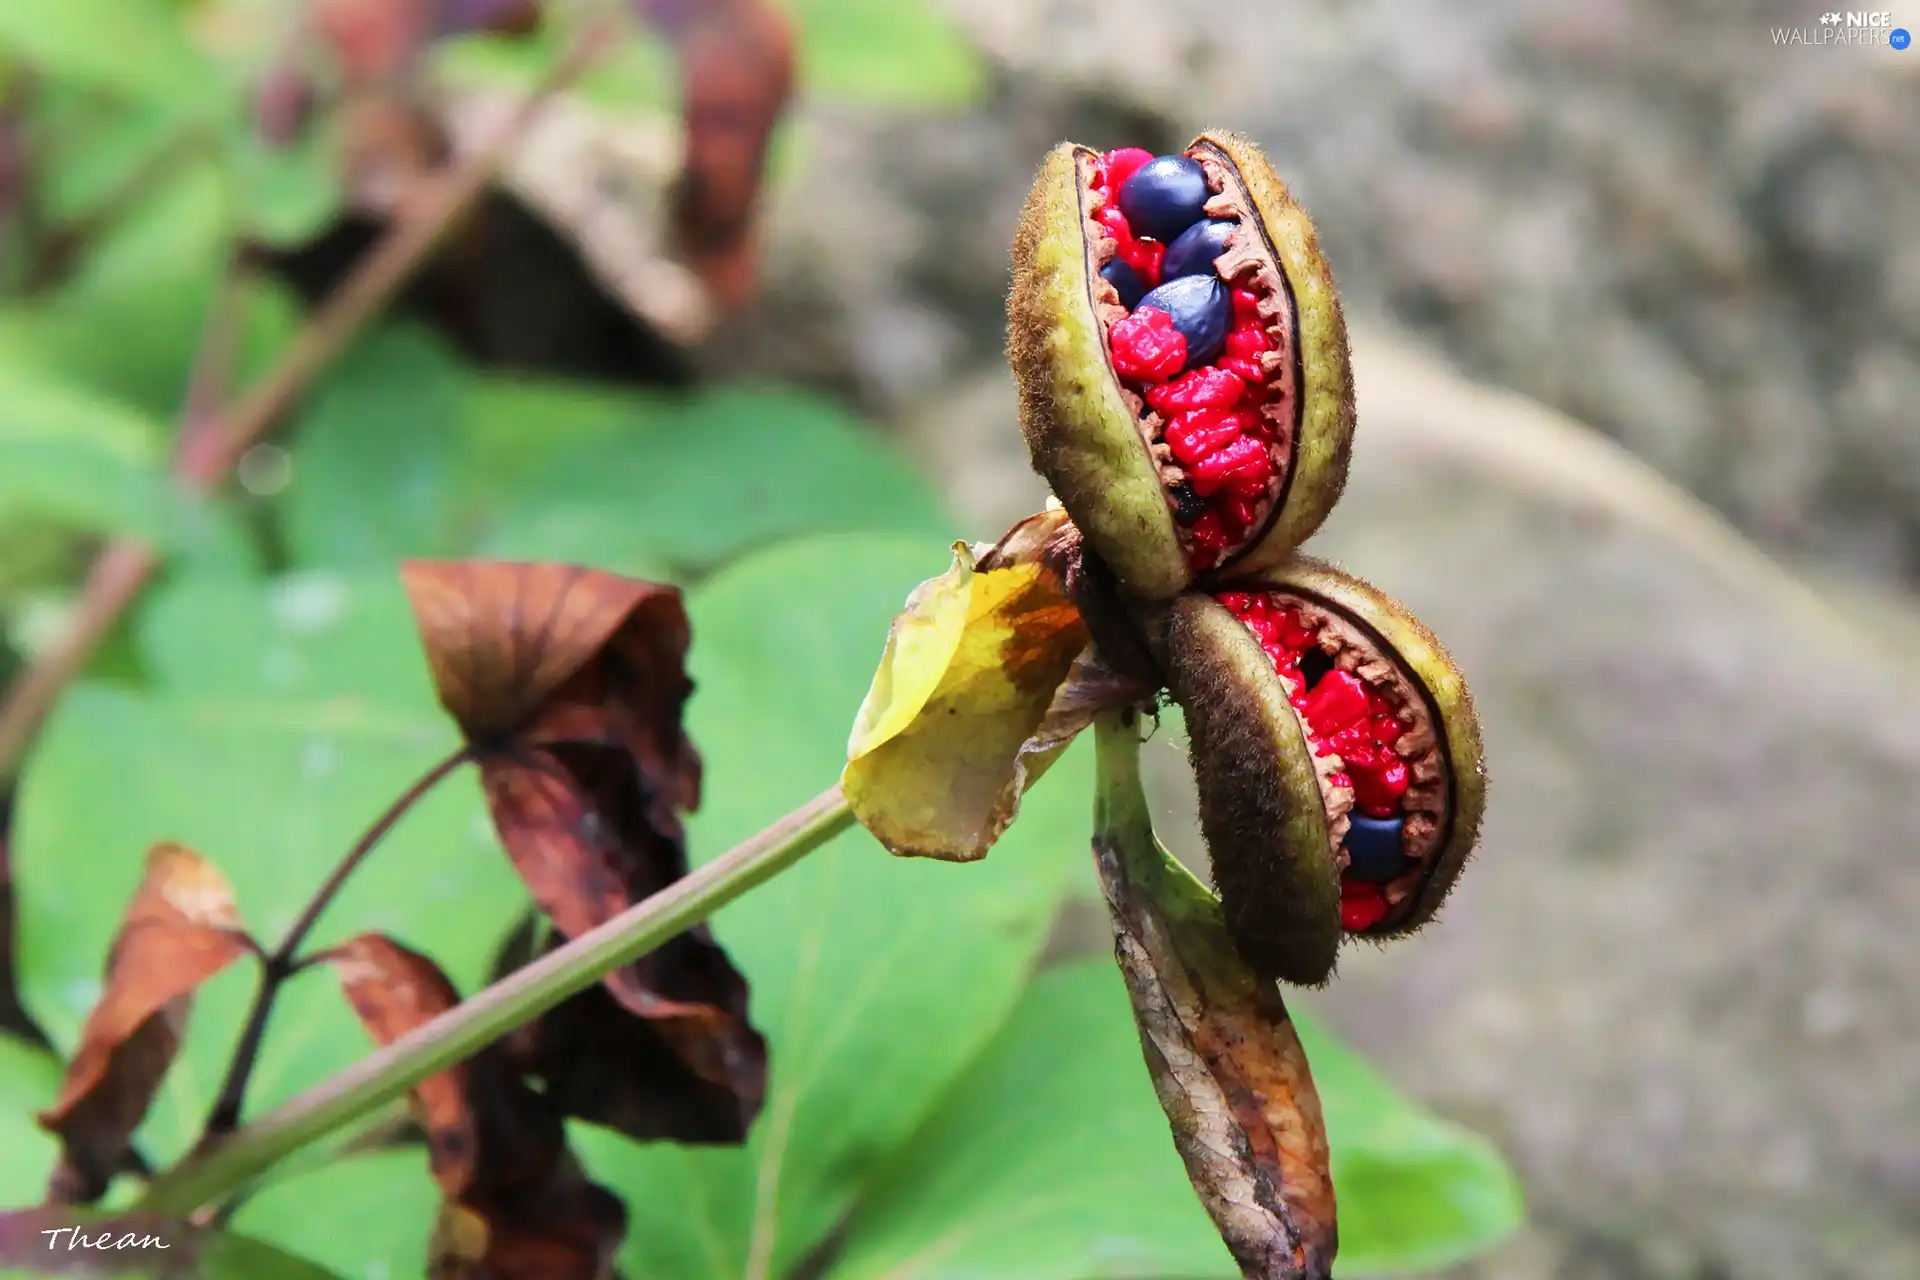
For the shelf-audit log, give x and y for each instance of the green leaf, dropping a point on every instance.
(60, 1241)
(884, 52)
(77, 460)
(875, 979)
(686, 481)
(1416, 1192)
(29, 1077)
(288, 194)
(374, 457)
(279, 727)
(90, 152)
(130, 322)
(389, 1197)
(636, 76)
(135, 49)
(1051, 1160)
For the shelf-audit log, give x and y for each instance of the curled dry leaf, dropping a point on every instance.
(736, 77)
(939, 755)
(569, 684)
(516, 1203)
(1225, 1058)
(375, 41)
(180, 930)
(651, 1079)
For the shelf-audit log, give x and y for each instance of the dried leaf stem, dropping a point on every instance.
(384, 1076)
(283, 962)
(208, 449)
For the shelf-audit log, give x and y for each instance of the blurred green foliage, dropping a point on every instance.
(935, 1108)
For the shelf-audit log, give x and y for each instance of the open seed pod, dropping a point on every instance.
(1181, 357)
(1337, 756)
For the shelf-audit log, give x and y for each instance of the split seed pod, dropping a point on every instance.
(1228, 461)
(1337, 757)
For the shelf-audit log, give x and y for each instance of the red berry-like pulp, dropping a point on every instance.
(1342, 716)
(1213, 442)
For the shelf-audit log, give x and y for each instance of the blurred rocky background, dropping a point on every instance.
(1677, 986)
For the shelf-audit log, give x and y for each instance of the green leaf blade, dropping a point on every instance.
(875, 979)
(272, 784)
(1051, 1160)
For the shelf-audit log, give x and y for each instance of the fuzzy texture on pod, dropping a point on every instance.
(1260, 802)
(1093, 437)
(1404, 639)
(1274, 813)
(1324, 415)
(1079, 427)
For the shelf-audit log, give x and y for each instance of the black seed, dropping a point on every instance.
(1373, 848)
(1164, 197)
(1126, 281)
(1200, 308)
(1188, 506)
(1193, 253)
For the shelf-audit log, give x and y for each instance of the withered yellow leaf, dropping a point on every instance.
(934, 765)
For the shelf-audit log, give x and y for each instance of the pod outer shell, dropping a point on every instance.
(1081, 433)
(1261, 809)
(1421, 653)
(1324, 438)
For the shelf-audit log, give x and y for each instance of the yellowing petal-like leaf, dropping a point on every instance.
(935, 767)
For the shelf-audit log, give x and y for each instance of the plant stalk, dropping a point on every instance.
(208, 449)
(281, 964)
(518, 998)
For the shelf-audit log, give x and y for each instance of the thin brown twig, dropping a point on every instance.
(206, 457)
(282, 963)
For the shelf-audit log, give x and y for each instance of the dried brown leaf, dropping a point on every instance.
(516, 1203)
(570, 684)
(736, 74)
(651, 1078)
(378, 42)
(1225, 1059)
(502, 639)
(180, 930)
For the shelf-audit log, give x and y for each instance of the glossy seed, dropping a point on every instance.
(1193, 253)
(1201, 311)
(1164, 197)
(1373, 848)
(1126, 281)
(1188, 506)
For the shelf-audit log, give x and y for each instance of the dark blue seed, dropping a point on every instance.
(1193, 253)
(1126, 280)
(1373, 848)
(1188, 506)
(1314, 664)
(1164, 197)
(1201, 310)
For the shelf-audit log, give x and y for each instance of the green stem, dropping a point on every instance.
(1125, 847)
(516, 999)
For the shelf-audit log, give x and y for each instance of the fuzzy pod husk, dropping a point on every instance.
(1079, 429)
(1323, 441)
(1262, 810)
(1082, 432)
(1260, 806)
(1449, 702)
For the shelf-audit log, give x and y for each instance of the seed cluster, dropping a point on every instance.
(1357, 737)
(1196, 348)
